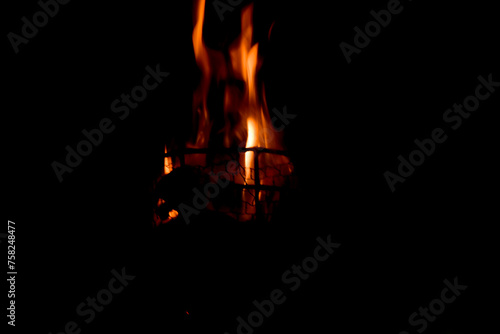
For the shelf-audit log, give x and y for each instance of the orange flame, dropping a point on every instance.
(203, 60)
(168, 167)
(246, 116)
(251, 142)
(239, 105)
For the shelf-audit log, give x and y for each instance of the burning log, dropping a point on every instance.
(225, 185)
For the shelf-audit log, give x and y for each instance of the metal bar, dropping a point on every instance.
(261, 187)
(184, 151)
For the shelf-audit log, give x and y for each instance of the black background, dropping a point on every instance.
(353, 121)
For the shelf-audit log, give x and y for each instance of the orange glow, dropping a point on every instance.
(173, 214)
(270, 30)
(160, 202)
(167, 168)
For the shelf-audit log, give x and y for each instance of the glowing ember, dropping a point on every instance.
(173, 214)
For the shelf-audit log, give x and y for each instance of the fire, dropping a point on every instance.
(246, 115)
(243, 122)
(204, 58)
(168, 167)
(247, 121)
(251, 142)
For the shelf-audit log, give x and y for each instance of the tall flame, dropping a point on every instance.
(246, 117)
(202, 57)
(240, 105)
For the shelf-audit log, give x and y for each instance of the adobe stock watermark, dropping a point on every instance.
(419, 321)
(121, 106)
(292, 278)
(201, 199)
(372, 29)
(453, 118)
(97, 304)
(222, 6)
(29, 29)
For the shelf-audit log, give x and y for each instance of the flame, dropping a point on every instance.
(200, 111)
(246, 116)
(252, 140)
(246, 120)
(251, 143)
(168, 166)
(240, 104)
(200, 50)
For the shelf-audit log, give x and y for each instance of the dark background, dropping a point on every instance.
(353, 121)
